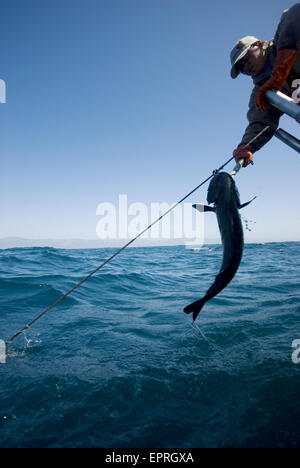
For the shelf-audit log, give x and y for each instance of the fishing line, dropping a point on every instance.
(129, 243)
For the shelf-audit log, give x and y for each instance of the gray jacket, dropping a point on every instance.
(287, 37)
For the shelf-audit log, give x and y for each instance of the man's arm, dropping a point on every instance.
(257, 122)
(287, 40)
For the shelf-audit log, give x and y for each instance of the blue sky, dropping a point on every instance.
(109, 97)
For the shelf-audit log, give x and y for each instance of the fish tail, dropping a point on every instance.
(195, 308)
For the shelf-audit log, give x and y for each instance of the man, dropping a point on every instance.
(272, 65)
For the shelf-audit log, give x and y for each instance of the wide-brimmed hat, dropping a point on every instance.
(239, 51)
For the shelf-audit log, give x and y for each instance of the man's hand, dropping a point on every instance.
(284, 62)
(243, 153)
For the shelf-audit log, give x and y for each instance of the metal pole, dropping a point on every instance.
(284, 103)
(288, 139)
(237, 167)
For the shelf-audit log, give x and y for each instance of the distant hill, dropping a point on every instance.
(19, 242)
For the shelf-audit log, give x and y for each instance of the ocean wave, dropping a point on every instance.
(118, 363)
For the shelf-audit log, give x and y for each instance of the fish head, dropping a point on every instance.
(222, 186)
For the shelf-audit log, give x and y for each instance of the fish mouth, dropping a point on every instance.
(220, 183)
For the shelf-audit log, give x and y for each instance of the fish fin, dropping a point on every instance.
(195, 307)
(204, 208)
(248, 203)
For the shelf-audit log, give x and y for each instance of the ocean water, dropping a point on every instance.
(118, 363)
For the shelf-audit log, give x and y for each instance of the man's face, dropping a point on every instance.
(254, 61)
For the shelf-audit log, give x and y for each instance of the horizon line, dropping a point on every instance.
(16, 243)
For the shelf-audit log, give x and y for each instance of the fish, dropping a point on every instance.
(223, 192)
